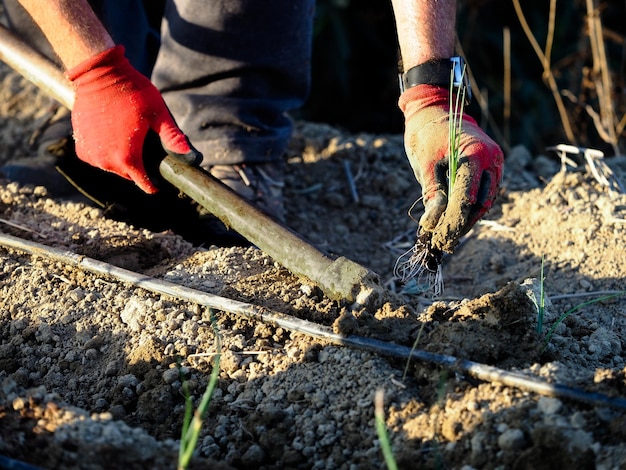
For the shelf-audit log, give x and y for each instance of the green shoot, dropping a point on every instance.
(573, 310)
(455, 128)
(192, 422)
(381, 429)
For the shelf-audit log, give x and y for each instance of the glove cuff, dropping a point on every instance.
(423, 96)
(109, 58)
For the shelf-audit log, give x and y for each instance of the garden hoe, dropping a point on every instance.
(339, 278)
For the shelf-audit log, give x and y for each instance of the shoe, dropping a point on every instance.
(260, 183)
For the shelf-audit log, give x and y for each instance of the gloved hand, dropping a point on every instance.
(448, 217)
(115, 107)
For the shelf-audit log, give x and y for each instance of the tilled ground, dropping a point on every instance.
(93, 369)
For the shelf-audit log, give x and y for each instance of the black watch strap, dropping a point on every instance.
(433, 72)
(438, 72)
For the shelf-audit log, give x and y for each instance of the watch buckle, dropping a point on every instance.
(460, 78)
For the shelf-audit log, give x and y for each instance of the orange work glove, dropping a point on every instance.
(114, 108)
(448, 217)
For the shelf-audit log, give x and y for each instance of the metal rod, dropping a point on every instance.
(339, 279)
(480, 371)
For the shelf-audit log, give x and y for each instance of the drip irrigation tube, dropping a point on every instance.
(480, 371)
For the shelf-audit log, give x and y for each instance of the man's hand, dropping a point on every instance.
(448, 216)
(114, 108)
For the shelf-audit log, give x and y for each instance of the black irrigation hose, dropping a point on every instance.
(480, 371)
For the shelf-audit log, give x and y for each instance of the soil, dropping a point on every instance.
(93, 369)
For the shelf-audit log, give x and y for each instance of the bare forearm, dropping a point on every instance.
(426, 29)
(71, 27)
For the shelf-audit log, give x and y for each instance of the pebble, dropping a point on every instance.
(133, 314)
(323, 356)
(70, 356)
(472, 406)
(519, 158)
(603, 343)
(478, 454)
(19, 404)
(253, 456)
(101, 404)
(170, 376)
(128, 380)
(94, 214)
(578, 420)
(111, 369)
(549, 406)
(511, 439)
(579, 440)
(319, 399)
(306, 289)
(44, 333)
(91, 353)
(77, 294)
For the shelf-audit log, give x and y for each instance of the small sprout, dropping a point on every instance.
(192, 420)
(575, 309)
(381, 430)
(455, 127)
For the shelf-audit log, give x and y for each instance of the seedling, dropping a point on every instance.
(192, 421)
(455, 127)
(381, 430)
(575, 309)
(423, 260)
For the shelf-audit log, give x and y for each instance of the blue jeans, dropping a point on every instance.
(229, 70)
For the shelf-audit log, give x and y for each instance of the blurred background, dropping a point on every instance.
(567, 88)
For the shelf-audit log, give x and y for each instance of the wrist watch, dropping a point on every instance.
(440, 72)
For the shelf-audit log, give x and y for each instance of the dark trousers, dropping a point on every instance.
(229, 70)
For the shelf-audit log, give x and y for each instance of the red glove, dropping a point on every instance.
(448, 217)
(115, 107)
